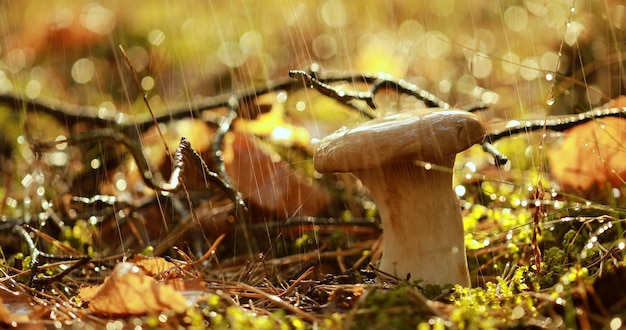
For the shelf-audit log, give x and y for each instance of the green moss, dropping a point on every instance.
(401, 307)
(78, 236)
(496, 305)
(553, 267)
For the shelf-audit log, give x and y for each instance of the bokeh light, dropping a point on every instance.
(83, 70)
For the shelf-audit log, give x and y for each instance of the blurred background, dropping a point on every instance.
(495, 51)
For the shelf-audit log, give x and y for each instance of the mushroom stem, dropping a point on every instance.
(422, 222)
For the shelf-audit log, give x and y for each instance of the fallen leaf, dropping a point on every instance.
(152, 266)
(16, 308)
(128, 291)
(273, 126)
(268, 181)
(193, 290)
(265, 180)
(87, 293)
(592, 157)
(5, 315)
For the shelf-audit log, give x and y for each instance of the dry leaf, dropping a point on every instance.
(5, 315)
(16, 307)
(592, 157)
(268, 181)
(193, 290)
(274, 126)
(152, 266)
(128, 291)
(87, 293)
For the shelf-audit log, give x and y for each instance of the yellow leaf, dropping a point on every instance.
(128, 291)
(152, 266)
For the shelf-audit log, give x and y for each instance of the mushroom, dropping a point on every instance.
(405, 161)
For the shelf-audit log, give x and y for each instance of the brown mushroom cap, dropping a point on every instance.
(428, 135)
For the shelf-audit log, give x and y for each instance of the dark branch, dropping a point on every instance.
(556, 124)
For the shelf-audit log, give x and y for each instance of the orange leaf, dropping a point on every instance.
(128, 291)
(268, 181)
(152, 266)
(5, 315)
(87, 293)
(591, 157)
(16, 307)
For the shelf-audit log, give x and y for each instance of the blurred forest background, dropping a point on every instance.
(461, 51)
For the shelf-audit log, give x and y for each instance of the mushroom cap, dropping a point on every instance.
(428, 135)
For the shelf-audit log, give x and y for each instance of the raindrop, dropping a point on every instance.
(12, 203)
(5, 83)
(325, 46)
(33, 88)
(529, 69)
(58, 158)
(62, 142)
(98, 19)
(517, 313)
(281, 97)
(510, 62)
(27, 180)
(83, 70)
(616, 192)
(460, 190)
(515, 18)
(93, 220)
(230, 54)
(334, 13)
(156, 37)
(444, 86)
(95, 163)
(120, 182)
(147, 83)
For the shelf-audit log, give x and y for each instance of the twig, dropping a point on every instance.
(556, 123)
(281, 303)
(297, 282)
(383, 82)
(210, 252)
(36, 256)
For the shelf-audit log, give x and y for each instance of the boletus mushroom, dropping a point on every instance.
(405, 161)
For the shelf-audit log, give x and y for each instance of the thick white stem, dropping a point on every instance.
(422, 222)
